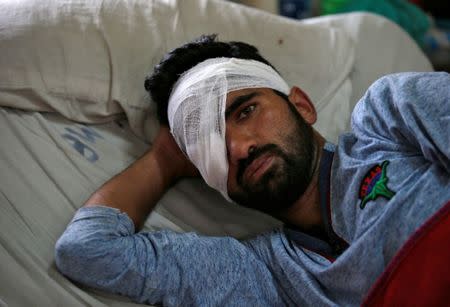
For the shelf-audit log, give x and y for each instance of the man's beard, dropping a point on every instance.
(289, 175)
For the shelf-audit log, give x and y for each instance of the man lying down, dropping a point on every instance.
(347, 207)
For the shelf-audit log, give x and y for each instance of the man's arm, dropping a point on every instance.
(100, 247)
(136, 190)
(407, 113)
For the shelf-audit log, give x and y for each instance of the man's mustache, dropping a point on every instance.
(255, 154)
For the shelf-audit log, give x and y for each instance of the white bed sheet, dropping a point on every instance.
(43, 180)
(49, 166)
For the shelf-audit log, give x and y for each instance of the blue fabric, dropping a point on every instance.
(403, 119)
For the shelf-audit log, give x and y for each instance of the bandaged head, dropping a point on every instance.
(196, 110)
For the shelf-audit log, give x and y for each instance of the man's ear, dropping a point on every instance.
(303, 104)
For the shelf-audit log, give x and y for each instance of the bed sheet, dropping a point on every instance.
(49, 166)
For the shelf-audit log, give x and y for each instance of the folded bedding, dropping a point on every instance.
(87, 59)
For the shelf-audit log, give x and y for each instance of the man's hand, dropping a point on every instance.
(171, 155)
(138, 188)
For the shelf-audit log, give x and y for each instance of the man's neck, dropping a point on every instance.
(306, 214)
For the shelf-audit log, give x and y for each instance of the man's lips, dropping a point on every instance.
(258, 167)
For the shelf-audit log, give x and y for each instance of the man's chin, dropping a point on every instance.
(260, 195)
(267, 202)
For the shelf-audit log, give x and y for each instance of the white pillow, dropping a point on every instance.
(88, 59)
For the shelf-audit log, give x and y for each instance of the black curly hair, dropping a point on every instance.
(159, 84)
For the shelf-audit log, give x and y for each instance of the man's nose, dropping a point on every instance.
(239, 145)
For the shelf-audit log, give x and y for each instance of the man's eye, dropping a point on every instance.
(246, 111)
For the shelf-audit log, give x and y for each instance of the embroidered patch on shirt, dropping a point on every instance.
(374, 184)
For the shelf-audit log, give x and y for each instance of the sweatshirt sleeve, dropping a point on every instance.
(408, 112)
(99, 249)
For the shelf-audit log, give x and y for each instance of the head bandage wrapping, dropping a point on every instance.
(196, 110)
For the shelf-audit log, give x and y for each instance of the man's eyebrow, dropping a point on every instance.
(238, 101)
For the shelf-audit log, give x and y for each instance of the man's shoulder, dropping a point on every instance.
(400, 91)
(409, 81)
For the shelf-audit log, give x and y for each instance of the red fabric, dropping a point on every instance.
(417, 2)
(419, 274)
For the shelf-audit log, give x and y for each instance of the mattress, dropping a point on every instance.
(71, 117)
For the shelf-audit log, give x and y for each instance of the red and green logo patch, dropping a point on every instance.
(374, 184)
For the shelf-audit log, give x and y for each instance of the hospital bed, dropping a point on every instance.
(74, 112)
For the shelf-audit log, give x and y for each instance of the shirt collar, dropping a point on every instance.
(337, 243)
(324, 185)
(307, 241)
(334, 245)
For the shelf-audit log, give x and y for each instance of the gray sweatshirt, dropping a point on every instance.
(377, 186)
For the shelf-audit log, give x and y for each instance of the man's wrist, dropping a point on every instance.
(169, 169)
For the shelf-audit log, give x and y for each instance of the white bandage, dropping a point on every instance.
(196, 110)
